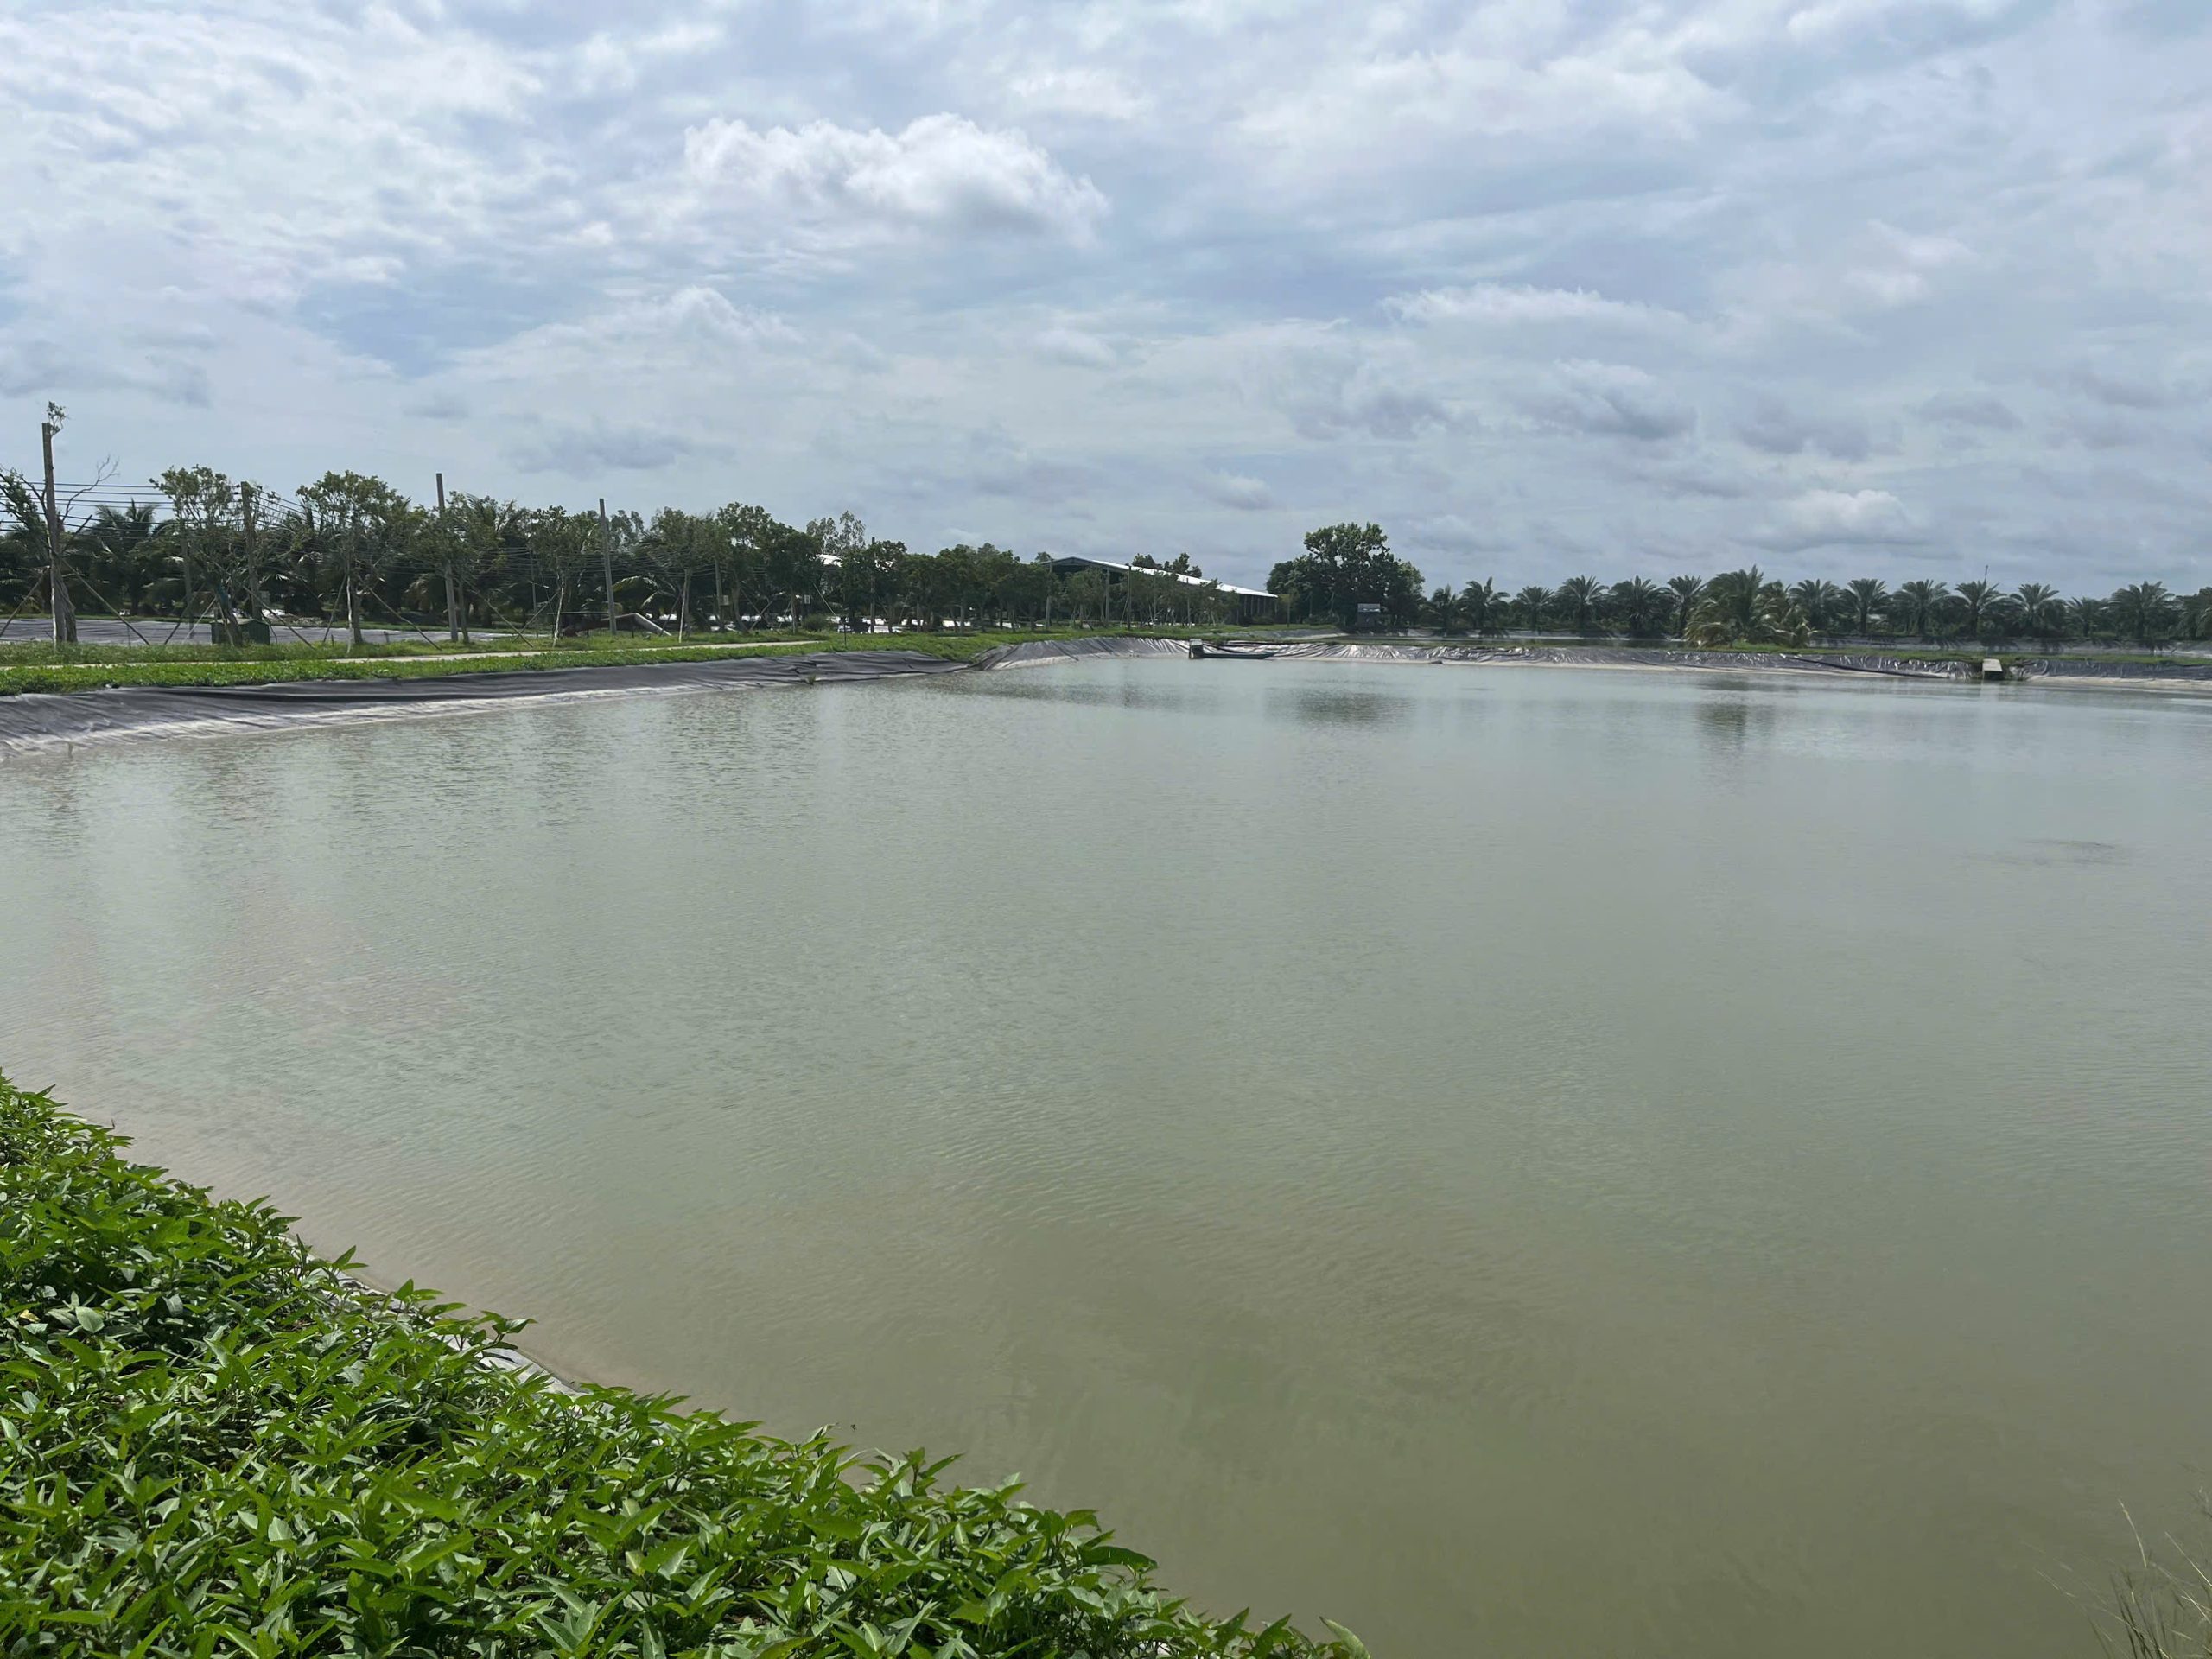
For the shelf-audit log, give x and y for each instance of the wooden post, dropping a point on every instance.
(64, 613)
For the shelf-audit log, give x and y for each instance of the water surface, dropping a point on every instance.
(1522, 1161)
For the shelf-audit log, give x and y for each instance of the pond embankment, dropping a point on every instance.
(48, 720)
(2078, 671)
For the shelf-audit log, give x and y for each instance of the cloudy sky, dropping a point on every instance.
(1849, 287)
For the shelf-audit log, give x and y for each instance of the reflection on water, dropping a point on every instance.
(1351, 704)
(1519, 1160)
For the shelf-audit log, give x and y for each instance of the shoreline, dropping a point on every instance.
(37, 721)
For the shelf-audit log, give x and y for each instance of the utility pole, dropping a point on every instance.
(445, 547)
(65, 615)
(606, 563)
(248, 495)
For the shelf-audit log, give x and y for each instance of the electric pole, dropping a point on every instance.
(445, 547)
(606, 563)
(65, 615)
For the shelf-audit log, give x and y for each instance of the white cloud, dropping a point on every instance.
(1842, 519)
(1085, 91)
(1236, 490)
(942, 171)
(1506, 305)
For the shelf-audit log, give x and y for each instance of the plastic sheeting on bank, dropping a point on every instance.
(46, 720)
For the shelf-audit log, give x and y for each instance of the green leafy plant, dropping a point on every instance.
(212, 1443)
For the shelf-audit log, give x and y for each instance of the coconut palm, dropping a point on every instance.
(2087, 615)
(1531, 602)
(1868, 596)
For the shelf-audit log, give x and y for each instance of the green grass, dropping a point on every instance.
(94, 666)
(212, 1443)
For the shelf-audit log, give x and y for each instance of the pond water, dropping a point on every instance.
(1526, 1161)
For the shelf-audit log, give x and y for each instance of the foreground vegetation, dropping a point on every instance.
(212, 1443)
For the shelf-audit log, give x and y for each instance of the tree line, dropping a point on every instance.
(348, 549)
(1347, 574)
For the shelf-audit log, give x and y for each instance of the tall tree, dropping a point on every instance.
(1920, 602)
(2143, 612)
(2041, 613)
(354, 515)
(1479, 605)
(1687, 590)
(1974, 599)
(1819, 600)
(1639, 604)
(1577, 600)
(1344, 567)
(1746, 607)
(1868, 596)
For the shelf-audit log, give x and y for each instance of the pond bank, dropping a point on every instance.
(41, 720)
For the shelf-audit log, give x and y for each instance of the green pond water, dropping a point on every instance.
(1522, 1161)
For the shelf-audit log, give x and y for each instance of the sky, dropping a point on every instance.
(1889, 288)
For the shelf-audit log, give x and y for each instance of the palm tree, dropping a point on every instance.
(1532, 602)
(2088, 615)
(2145, 612)
(1638, 602)
(1818, 600)
(1687, 590)
(116, 546)
(2196, 614)
(1444, 610)
(1578, 597)
(1920, 601)
(1479, 605)
(2039, 607)
(1975, 596)
(1867, 596)
(1745, 605)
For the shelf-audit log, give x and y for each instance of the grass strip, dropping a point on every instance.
(212, 1442)
(112, 668)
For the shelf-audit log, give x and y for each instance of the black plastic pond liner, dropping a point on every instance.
(42, 720)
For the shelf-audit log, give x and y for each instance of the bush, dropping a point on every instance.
(212, 1442)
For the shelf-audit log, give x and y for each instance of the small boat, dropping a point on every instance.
(1235, 653)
